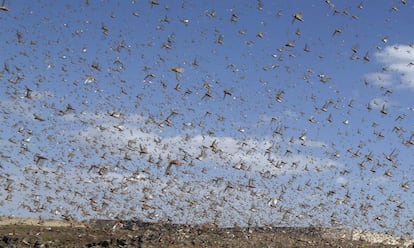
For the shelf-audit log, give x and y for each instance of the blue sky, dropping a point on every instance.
(315, 126)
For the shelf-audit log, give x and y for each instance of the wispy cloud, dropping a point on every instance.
(398, 69)
(378, 103)
(380, 79)
(249, 154)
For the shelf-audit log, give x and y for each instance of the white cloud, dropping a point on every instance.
(228, 151)
(378, 103)
(396, 53)
(380, 79)
(379, 179)
(342, 180)
(398, 67)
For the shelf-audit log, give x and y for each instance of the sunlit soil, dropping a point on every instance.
(23, 232)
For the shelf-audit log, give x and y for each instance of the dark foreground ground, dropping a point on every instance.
(100, 233)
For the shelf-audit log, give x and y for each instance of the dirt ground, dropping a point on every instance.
(19, 232)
